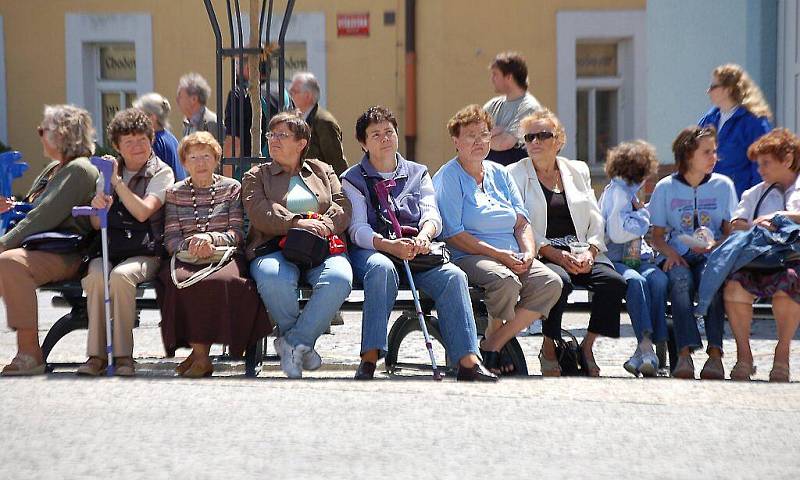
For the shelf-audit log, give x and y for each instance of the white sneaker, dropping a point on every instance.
(649, 366)
(310, 358)
(290, 358)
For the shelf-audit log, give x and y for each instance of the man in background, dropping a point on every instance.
(326, 136)
(193, 94)
(509, 76)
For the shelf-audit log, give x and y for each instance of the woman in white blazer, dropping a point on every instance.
(558, 195)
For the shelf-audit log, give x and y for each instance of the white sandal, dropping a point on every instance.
(23, 365)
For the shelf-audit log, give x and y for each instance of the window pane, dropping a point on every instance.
(130, 97)
(606, 122)
(582, 135)
(296, 60)
(109, 107)
(117, 61)
(596, 59)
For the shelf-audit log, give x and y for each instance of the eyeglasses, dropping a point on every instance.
(205, 157)
(278, 136)
(482, 137)
(539, 136)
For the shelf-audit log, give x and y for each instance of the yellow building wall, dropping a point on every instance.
(456, 40)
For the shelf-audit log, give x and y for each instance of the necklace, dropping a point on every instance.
(553, 178)
(200, 227)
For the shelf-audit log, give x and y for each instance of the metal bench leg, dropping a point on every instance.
(76, 319)
(252, 358)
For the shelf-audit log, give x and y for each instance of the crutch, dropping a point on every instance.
(383, 191)
(11, 167)
(106, 168)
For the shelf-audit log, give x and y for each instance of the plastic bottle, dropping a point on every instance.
(632, 253)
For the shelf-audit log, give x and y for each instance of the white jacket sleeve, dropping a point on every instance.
(595, 234)
(624, 223)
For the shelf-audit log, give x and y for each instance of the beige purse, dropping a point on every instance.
(216, 261)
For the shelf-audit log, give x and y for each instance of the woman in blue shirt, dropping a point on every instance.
(681, 204)
(491, 239)
(740, 115)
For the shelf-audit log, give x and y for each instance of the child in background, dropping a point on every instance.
(627, 220)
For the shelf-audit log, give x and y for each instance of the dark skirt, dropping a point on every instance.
(222, 308)
(768, 284)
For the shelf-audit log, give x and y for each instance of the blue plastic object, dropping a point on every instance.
(11, 168)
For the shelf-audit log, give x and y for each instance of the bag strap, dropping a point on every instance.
(761, 200)
(200, 274)
(373, 197)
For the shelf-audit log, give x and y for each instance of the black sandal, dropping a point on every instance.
(506, 363)
(491, 360)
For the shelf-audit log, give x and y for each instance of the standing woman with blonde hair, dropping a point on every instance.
(740, 115)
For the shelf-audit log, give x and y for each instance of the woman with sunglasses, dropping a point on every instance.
(777, 155)
(690, 211)
(558, 195)
(69, 180)
(740, 115)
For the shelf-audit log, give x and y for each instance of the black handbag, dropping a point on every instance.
(569, 355)
(54, 242)
(128, 237)
(439, 255)
(304, 248)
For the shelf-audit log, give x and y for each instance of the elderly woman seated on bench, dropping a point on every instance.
(778, 156)
(202, 213)
(135, 232)
(302, 193)
(490, 234)
(68, 139)
(376, 253)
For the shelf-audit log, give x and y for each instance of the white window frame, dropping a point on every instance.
(788, 65)
(627, 28)
(3, 98)
(83, 33)
(593, 85)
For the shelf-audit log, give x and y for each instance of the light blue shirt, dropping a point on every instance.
(489, 214)
(299, 198)
(680, 208)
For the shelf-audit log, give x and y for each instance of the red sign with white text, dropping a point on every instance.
(352, 24)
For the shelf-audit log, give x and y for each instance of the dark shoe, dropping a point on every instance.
(491, 361)
(93, 367)
(507, 367)
(713, 369)
(478, 373)
(366, 371)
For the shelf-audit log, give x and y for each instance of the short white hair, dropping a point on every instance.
(309, 83)
(155, 104)
(195, 85)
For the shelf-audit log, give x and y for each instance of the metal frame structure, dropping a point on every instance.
(239, 162)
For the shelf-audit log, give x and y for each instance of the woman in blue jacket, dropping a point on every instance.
(740, 115)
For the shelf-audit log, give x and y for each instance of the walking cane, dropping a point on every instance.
(382, 190)
(106, 168)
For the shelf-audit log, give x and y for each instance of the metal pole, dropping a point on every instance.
(281, 43)
(212, 17)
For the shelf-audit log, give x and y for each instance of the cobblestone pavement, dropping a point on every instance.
(156, 426)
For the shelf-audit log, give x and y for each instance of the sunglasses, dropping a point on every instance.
(40, 131)
(539, 136)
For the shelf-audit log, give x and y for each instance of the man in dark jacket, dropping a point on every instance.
(326, 136)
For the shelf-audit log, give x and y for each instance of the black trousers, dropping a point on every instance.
(609, 288)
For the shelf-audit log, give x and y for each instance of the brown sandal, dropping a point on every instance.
(779, 373)
(93, 367)
(23, 365)
(742, 371)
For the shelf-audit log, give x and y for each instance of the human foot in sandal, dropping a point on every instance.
(742, 371)
(779, 373)
(24, 365)
(93, 367)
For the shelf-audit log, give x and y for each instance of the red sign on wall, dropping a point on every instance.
(352, 24)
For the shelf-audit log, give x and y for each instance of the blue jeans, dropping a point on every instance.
(683, 283)
(646, 299)
(447, 285)
(277, 280)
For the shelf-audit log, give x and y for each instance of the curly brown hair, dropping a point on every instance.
(632, 161)
(779, 143)
(374, 114)
(687, 142)
(130, 121)
(743, 89)
(468, 115)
